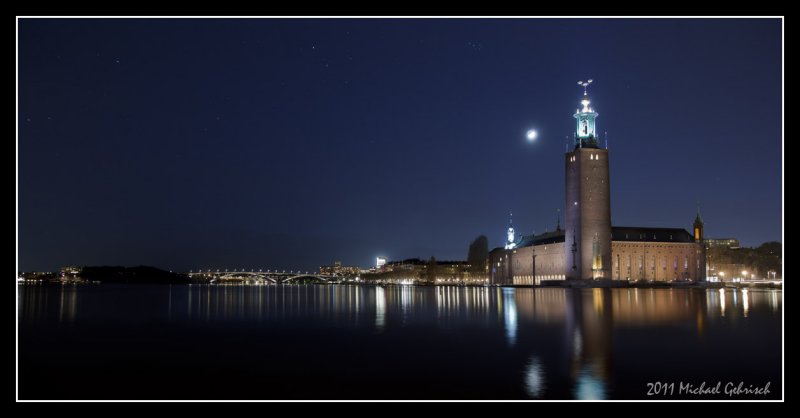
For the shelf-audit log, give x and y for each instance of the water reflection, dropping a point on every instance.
(745, 305)
(68, 303)
(534, 378)
(380, 308)
(590, 324)
(553, 342)
(510, 315)
(58, 302)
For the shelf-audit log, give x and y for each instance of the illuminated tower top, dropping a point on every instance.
(585, 136)
(510, 243)
(698, 226)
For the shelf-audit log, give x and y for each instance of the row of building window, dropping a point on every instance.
(592, 157)
(663, 263)
(524, 280)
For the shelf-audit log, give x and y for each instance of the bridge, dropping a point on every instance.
(258, 277)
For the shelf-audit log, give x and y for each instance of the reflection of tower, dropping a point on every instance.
(588, 200)
(589, 334)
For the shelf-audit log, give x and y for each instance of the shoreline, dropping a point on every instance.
(562, 284)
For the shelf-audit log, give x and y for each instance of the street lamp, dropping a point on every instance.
(722, 274)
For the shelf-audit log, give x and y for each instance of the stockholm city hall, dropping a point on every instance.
(589, 247)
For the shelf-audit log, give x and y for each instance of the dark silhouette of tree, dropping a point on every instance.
(759, 261)
(768, 257)
(478, 254)
(431, 270)
(138, 274)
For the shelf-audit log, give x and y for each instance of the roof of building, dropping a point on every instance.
(541, 239)
(630, 233)
(618, 233)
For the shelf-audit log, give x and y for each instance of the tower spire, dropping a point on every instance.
(558, 222)
(585, 132)
(585, 86)
(698, 225)
(698, 218)
(510, 242)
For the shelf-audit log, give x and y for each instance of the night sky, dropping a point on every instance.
(294, 143)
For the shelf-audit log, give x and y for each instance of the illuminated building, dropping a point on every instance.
(380, 262)
(417, 271)
(721, 243)
(589, 248)
(338, 270)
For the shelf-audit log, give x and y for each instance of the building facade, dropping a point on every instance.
(589, 248)
(337, 269)
(721, 243)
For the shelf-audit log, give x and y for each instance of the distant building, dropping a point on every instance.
(70, 270)
(380, 262)
(70, 274)
(589, 248)
(417, 271)
(722, 243)
(337, 269)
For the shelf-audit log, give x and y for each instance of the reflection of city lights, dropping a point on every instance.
(745, 303)
(534, 378)
(380, 308)
(589, 386)
(722, 301)
(510, 315)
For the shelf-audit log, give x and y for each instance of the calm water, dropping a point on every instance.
(363, 342)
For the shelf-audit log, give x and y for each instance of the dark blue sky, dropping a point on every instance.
(293, 143)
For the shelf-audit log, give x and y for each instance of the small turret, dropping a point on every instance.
(698, 226)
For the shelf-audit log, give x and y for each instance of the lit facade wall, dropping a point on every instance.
(630, 260)
(658, 261)
(516, 266)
